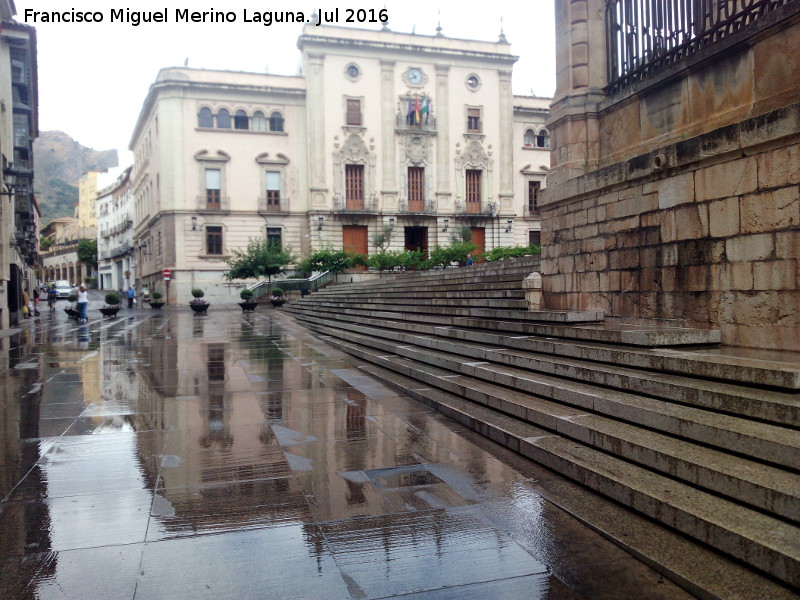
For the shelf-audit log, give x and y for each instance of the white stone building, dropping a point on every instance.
(116, 265)
(381, 129)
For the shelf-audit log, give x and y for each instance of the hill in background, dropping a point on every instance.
(59, 161)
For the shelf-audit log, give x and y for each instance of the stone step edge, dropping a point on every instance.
(767, 406)
(666, 338)
(626, 483)
(673, 554)
(604, 433)
(667, 360)
(545, 316)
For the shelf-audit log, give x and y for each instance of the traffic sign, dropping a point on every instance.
(167, 274)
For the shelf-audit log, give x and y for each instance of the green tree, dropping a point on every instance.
(261, 258)
(326, 259)
(385, 261)
(45, 243)
(87, 253)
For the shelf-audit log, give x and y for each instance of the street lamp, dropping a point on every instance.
(320, 221)
(446, 224)
(510, 223)
(194, 222)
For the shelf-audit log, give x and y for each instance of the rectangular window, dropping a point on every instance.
(354, 186)
(473, 191)
(534, 237)
(533, 196)
(213, 240)
(416, 189)
(273, 190)
(473, 120)
(275, 236)
(353, 112)
(213, 188)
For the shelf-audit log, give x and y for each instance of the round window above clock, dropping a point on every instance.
(352, 71)
(473, 82)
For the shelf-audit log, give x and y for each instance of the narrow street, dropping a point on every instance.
(166, 455)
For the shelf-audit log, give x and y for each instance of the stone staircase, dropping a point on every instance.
(702, 440)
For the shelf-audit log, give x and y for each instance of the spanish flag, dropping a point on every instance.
(417, 116)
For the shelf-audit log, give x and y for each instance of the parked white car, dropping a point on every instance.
(63, 289)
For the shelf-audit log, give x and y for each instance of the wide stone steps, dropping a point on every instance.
(379, 302)
(766, 441)
(769, 543)
(762, 404)
(593, 345)
(703, 439)
(451, 291)
(540, 401)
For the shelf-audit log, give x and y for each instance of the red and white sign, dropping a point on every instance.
(167, 274)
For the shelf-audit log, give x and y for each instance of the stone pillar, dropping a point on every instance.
(315, 102)
(388, 147)
(506, 164)
(443, 166)
(581, 76)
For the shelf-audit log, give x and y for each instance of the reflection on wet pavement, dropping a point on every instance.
(163, 455)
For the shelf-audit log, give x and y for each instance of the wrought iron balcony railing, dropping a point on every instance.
(646, 36)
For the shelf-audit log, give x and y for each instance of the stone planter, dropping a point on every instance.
(248, 306)
(200, 308)
(156, 305)
(109, 311)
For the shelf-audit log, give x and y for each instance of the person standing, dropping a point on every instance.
(36, 301)
(25, 301)
(131, 295)
(83, 304)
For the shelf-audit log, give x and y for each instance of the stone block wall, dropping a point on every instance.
(712, 239)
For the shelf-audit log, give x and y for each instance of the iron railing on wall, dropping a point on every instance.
(646, 36)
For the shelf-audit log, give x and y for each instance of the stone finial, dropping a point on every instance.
(502, 39)
(532, 285)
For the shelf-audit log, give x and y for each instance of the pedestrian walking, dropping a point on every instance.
(52, 296)
(36, 301)
(131, 296)
(83, 304)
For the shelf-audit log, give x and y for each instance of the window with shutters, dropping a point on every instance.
(205, 118)
(473, 191)
(416, 189)
(213, 188)
(354, 187)
(533, 196)
(240, 120)
(474, 120)
(353, 112)
(223, 118)
(214, 239)
(273, 190)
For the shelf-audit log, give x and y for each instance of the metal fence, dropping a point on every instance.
(312, 284)
(646, 36)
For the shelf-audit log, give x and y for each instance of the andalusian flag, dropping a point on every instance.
(426, 108)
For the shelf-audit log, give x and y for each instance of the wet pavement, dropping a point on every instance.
(166, 455)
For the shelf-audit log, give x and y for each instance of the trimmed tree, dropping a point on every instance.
(261, 258)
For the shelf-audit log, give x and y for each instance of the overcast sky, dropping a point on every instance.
(93, 77)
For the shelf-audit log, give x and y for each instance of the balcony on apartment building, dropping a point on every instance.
(355, 204)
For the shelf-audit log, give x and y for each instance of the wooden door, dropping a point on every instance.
(354, 239)
(479, 239)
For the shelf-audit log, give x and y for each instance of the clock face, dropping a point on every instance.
(472, 81)
(414, 76)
